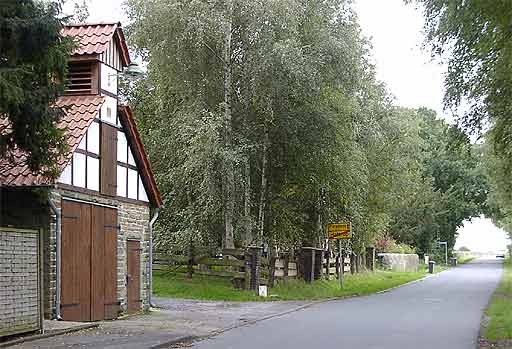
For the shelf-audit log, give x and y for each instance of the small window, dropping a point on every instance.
(79, 170)
(121, 181)
(142, 192)
(65, 176)
(93, 173)
(132, 184)
(93, 138)
(121, 147)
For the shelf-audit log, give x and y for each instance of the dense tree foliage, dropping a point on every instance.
(454, 187)
(475, 38)
(33, 60)
(264, 122)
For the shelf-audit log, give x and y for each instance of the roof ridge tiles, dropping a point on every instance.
(90, 24)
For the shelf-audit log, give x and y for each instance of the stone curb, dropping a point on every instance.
(179, 340)
(46, 335)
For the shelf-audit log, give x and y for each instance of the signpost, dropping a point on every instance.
(340, 231)
(441, 243)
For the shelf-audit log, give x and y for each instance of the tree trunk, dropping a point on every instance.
(264, 180)
(247, 202)
(229, 176)
(319, 230)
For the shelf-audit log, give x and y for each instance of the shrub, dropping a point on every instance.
(389, 245)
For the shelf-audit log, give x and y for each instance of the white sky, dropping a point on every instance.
(395, 30)
(481, 235)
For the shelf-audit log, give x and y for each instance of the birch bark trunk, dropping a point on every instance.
(247, 202)
(229, 176)
(264, 181)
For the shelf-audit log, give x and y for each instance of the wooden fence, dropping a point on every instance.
(230, 264)
(248, 269)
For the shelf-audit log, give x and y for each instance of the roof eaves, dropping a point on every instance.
(133, 136)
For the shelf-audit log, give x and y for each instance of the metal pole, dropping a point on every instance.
(342, 264)
(58, 267)
(446, 253)
(150, 262)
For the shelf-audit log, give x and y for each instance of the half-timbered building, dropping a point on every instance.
(80, 248)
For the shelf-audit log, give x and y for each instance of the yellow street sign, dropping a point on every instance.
(339, 231)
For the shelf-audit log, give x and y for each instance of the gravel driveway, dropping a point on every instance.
(170, 321)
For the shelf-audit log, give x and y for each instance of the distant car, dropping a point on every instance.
(501, 255)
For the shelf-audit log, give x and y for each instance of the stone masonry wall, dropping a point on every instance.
(133, 219)
(19, 281)
(399, 262)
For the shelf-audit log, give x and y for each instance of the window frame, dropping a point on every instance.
(87, 154)
(126, 165)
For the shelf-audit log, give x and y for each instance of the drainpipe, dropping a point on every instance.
(58, 217)
(151, 222)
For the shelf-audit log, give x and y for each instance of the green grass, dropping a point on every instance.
(177, 285)
(499, 327)
(464, 259)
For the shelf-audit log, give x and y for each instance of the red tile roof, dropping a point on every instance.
(93, 39)
(80, 113)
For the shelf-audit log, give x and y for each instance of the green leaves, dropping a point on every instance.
(33, 62)
(337, 149)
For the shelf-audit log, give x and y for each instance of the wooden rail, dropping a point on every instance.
(232, 263)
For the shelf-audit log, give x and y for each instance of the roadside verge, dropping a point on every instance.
(496, 326)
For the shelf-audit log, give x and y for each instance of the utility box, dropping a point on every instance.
(431, 265)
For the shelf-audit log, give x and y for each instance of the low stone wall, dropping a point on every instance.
(19, 281)
(399, 262)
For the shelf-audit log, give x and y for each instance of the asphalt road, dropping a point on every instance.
(442, 311)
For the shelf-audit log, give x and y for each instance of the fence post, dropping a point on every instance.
(313, 264)
(272, 269)
(286, 265)
(307, 264)
(247, 276)
(370, 258)
(352, 262)
(255, 267)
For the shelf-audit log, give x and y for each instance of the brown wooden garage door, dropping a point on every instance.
(89, 262)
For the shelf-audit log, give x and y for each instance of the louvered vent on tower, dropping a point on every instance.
(82, 78)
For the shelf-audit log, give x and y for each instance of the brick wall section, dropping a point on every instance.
(19, 282)
(133, 219)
